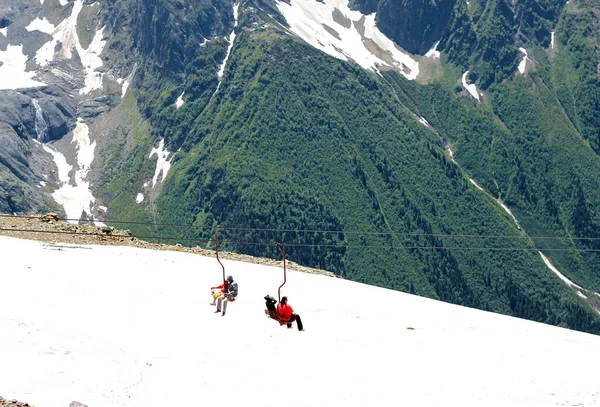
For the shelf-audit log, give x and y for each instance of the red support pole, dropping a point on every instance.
(284, 272)
(217, 251)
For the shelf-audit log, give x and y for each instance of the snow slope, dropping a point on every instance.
(121, 326)
(332, 27)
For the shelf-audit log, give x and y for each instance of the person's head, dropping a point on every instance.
(284, 300)
(230, 279)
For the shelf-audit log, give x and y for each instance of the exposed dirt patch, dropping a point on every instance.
(12, 403)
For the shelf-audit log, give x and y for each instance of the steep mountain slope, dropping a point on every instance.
(158, 342)
(293, 120)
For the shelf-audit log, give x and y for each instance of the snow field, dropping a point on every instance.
(121, 326)
(163, 165)
(471, 88)
(13, 73)
(76, 198)
(333, 28)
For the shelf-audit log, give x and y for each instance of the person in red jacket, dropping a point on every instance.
(218, 291)
(285, 312)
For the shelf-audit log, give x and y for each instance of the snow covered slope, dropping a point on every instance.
(120, 326)
(332, 27)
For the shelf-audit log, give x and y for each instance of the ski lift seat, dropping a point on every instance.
(273, 315)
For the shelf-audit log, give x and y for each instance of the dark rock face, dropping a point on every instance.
(18, 111)
(415, 25)
(9, 10)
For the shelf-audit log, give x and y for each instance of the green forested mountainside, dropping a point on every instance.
(484, 35)
(535, 146)
(295, 140)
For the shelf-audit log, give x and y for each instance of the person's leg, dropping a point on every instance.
(225, 301)
(219, 301)
(299, 322)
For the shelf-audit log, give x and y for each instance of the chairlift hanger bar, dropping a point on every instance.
(284, 272)
(217, 251)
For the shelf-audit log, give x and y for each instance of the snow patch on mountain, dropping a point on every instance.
(506, 208)
(221, 70)
(61, 163)
(124, 87)
(42, 25)
(476, 184)
(90, 58)
(552, 40)
(471, 88)
(125, 83)
(139, 198)
(77, 198)
(85, 149)
(63, 2)
(333, 28)
(450, 153)
(425, 123)
(523, 63)
(4, 31)
(558, 273)
(163, 165)
(179, 102)
(433, 53)
(65, 34)
(13, 71)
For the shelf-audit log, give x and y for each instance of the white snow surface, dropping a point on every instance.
(13, 74)
(221, 70)
(433, 53)
(139, 198)
(424, 122)
(126, 83)
(61, 163)
(63, 2)
(333, 28)
(471, 88)
(552, 40)
(451, 153)
(42, 25)
(163, 165)
(121, 326)
(124, 87)
(523, 62)
(90, 58)
(4, 31)
(179, 102)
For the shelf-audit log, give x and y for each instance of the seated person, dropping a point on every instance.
(270, 303)
(286, 314)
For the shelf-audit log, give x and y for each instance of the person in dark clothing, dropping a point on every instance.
(286, 314)
(230, 295)
(270, 303)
